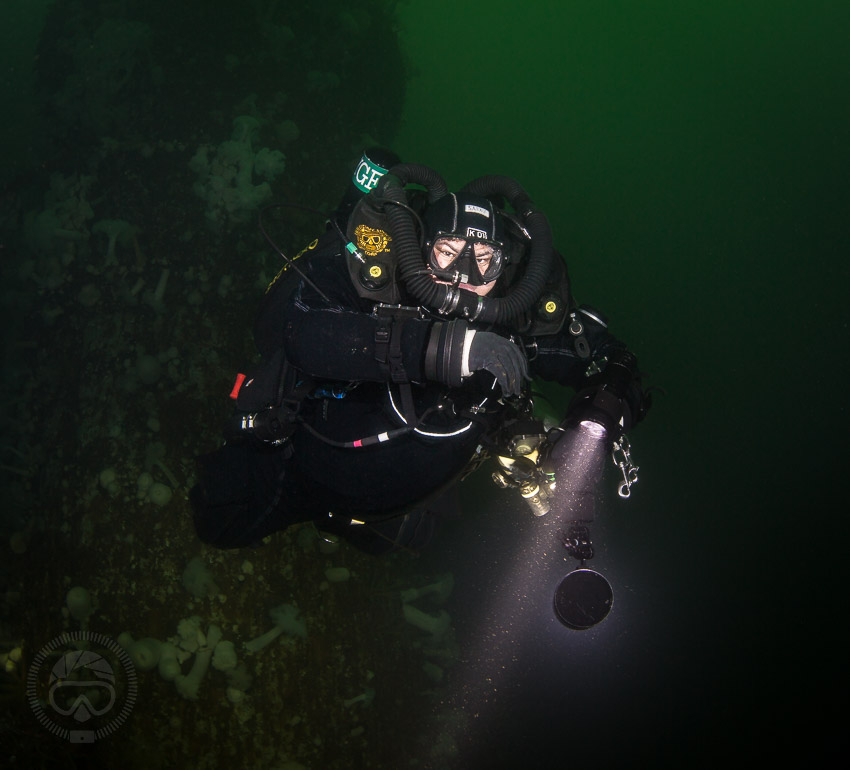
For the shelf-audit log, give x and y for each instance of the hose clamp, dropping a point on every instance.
(450, 302)
(478, 308)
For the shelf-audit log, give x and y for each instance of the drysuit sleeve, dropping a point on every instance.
(555, 358)
(330, 333)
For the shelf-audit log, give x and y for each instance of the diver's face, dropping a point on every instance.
(447, 250)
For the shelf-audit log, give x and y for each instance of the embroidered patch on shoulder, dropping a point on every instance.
(371, 240)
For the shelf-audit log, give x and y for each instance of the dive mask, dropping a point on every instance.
(466, 258)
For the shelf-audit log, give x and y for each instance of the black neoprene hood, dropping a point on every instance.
(467, 216)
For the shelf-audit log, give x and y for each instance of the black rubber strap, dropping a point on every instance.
(394, 357)
(388, 353)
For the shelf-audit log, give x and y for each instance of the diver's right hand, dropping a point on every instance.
(455, 351)
(501, 357)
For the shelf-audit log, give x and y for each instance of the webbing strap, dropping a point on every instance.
(388, 349)
(388, 354)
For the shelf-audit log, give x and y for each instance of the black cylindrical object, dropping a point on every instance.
(606, 400)
(582, 599)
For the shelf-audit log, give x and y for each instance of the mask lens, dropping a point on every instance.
(446, 251)
(488, 260)
(481, 261)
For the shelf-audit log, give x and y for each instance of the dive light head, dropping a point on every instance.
(605, 403)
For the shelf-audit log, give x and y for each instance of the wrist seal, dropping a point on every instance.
(444, 352)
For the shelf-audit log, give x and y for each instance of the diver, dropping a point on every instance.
(397, 351)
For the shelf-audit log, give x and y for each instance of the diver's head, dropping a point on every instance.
(464, 242)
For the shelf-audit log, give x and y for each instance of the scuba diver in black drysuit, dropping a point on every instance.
(397, 351)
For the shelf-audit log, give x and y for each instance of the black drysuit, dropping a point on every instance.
(249, 490)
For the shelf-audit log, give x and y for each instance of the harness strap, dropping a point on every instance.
(388, 336)
(388, 348)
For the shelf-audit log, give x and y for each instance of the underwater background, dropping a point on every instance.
(693, 161)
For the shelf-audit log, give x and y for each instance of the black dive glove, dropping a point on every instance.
(455, 351)
(502, 358)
